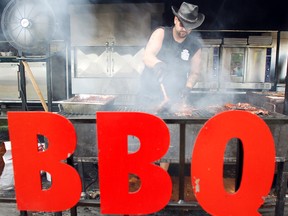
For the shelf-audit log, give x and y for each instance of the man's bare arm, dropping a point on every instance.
(153, 47)
(195, 70)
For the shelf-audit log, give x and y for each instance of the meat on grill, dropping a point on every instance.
(188, 110)
(87, 98)
(246, 107)
(184, 110)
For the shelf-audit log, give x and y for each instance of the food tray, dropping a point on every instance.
(86, 104)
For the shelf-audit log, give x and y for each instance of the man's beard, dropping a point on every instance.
(182, 34)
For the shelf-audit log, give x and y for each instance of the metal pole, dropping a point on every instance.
(285, 110)
(276, 73)
(281, 188)
(182, 162)
(22, 86)
(49, 81)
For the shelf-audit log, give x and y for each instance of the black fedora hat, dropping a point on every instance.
(189, 16)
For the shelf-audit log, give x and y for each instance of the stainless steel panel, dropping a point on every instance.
(9, 81)
(243, 68)
(109, 61)
(256, 62)
(233, 64)
(234, 85)
(100, 70)
(209, 68)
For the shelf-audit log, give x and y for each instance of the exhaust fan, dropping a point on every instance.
(28, 25)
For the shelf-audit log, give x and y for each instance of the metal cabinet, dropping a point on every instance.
(9, 80)
(107, 42)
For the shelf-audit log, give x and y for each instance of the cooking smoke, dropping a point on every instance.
(107, 47)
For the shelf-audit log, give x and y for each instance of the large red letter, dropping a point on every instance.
(115, 163)
(258, 165)
(65, 189)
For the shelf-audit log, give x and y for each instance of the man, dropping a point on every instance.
(172, 57)
(172, 60)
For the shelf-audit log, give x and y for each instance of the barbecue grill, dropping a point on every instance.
(187, 127)
(193, 121)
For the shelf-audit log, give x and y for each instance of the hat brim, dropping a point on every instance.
(189, 25)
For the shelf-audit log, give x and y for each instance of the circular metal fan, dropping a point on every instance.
(28, 25)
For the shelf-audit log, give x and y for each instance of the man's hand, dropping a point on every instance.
(160, 69)
(185, 92)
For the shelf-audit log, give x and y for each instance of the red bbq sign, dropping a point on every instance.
(115, 162)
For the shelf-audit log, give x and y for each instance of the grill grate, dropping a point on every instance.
(125, 108)
(194, 113)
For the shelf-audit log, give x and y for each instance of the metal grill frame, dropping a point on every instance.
(282, 170)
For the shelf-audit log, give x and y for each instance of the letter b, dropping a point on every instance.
(65, 190)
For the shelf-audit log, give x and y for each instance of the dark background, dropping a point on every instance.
(242, 14)
(221, 14)
(231, 14)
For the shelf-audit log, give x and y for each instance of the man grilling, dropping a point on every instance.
(172, 63)
(172, 58)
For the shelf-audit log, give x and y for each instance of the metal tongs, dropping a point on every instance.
(164, 104)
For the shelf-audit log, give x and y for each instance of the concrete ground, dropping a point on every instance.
(9, 209)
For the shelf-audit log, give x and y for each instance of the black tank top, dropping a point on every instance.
(177, 57)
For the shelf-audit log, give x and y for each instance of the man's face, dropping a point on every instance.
(180, 30)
